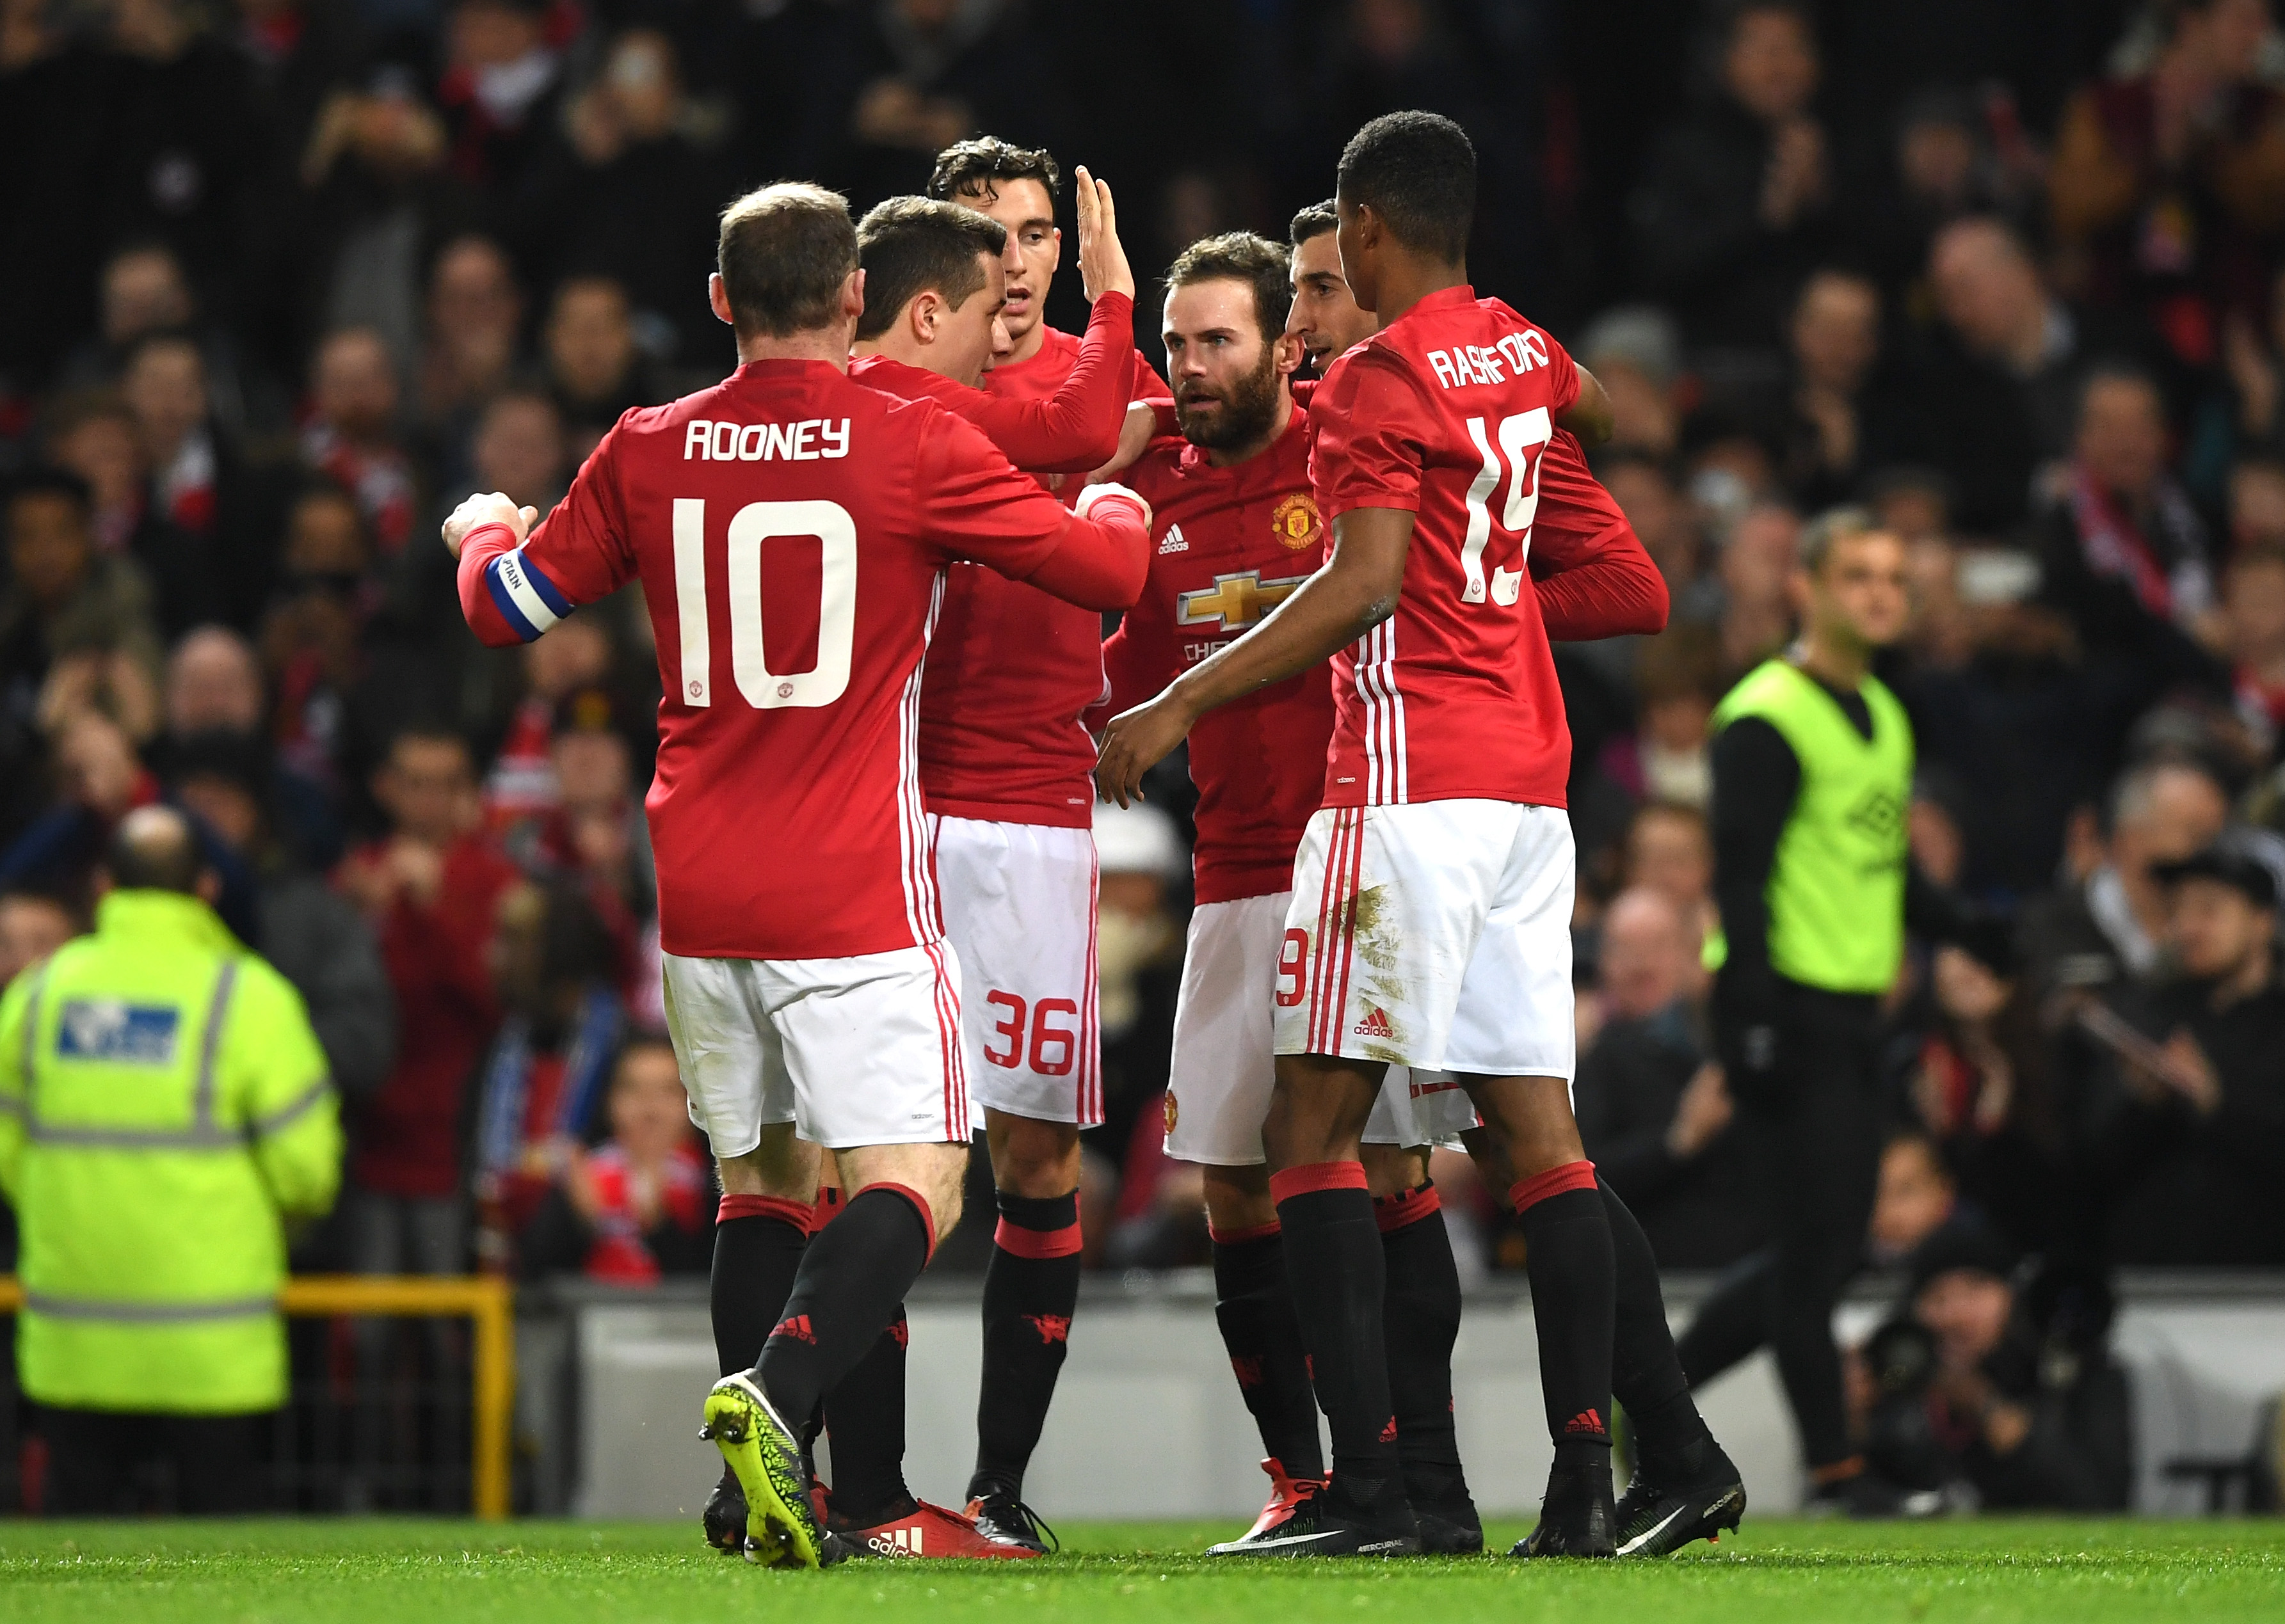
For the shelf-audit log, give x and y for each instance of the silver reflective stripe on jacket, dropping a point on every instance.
(146, 1313)
(204, 1134)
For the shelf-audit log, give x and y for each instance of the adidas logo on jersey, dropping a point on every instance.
(1375, 1025)
(1172, 541)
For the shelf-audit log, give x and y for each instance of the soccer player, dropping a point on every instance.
(1430, 924)
(808, 985)
(1006, 767)
(1240, 532)
(934, 281)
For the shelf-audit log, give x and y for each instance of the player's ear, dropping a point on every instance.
(852, 294)
(1287, 349)
(1056, 237)
(923, 314)
(718, 297)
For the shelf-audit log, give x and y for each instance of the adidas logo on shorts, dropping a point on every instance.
(1375, 1025)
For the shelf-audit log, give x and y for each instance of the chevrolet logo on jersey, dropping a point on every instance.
(1235, 601)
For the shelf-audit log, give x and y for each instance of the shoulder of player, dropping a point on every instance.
(905, 383)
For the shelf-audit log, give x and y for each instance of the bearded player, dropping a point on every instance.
(1005, 765)
(810, 990)
(1433, 892)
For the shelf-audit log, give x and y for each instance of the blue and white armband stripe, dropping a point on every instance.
(527, 600)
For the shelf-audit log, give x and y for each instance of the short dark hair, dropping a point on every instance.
(980, 165)
(154, 849)
(47, 479)
(1241, 257)
(785, 251)
(913, 246)
(1313, 222)
(1417, 172)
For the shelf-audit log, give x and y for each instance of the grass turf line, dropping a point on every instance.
(348, 1572)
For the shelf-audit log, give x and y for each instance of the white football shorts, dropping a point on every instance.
(856, 1051)
(1218, 1087)
(1435, 934)
(1019, 907)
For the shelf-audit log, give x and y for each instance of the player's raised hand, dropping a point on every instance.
(1136, 741)
(487, 507)
(1102, 267)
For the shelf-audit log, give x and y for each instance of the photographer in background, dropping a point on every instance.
(1990, 1394)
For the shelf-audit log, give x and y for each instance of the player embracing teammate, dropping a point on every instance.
(1431, 895)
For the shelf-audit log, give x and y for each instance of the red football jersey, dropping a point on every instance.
(1228, 545)
(1012, 668)
(1446, 412)
(791, 530)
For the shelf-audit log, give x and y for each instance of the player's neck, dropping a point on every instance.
(1254, 448)
(1406, 281)
(893, 346)
(1841, 663)
(830, 345)
(1027, 346)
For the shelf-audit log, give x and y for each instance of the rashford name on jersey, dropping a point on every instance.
(1231, 545)
(806, 566)
(1448, 413)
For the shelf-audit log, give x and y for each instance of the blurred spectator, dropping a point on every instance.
(1992, 1397)
(1652, 1108)
(431, 889)
(214, 685)
(1976, 1080)
(97, 437)
(1678, 678)
(1634, 352)
(2188, 1140)
(2000, 393)
(1645, 490)
(600, 832)
(320, 943)
(313, 649)
(594, 371)
(1160, 1218)
(145, 292)
(1757, 571)
(2257, 502)
(33, 924)
(1835, 427)
(639, 1206)
(932, 71)
(2167, 187)
(474, 317)
(2252, 344)
(566, 684)
(1916, 1198)
(1735, 201)
(519, 450)
(545, 1077)
(2104, 932)
(1669, 851)
(649, 191)
(501, 95)
(352, 436)
(1941, 167)
(64, 600)
(200, 483)
(2253, 609)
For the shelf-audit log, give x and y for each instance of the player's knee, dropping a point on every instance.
(1237, 1198)
(1034, 1158)
(1389, 1169)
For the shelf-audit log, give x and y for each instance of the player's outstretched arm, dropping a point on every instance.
(1102, 267)
(1591, 416)
(1354, 591)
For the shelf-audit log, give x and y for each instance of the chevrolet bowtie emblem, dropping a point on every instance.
(1235, 601)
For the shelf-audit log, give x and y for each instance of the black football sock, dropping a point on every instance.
(1254, 1305)
(1333, 1259)
(856, 1271)
(865, 1418)
(1645, 1375)
(1031, 1287)
(1568, 1238)
(759, 1242)
(1421, 1318)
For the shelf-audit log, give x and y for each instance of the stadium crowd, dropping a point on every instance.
(281, 280)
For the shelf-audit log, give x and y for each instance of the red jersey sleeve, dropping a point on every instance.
(1593, 578)
(1147, 388)
(1075, 430)
(1373, 433)
(980, 509)
(578, 553)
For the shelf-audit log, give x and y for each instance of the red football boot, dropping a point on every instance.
(1292, 1500)
(930, 1532)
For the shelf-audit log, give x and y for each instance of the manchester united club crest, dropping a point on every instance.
(1174, 1111)
(1296, 522)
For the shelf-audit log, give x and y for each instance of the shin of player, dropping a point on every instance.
(1005, 763)
(772, 959)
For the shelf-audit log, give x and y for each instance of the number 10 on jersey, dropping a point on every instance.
(751, 526)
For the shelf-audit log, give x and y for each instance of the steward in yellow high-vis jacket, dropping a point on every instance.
(165, 1112)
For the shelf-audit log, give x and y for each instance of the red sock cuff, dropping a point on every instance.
(1528, 1193)
(1239, 1237)
(828, 1206)
(1018, 1242)
(785, 1211)
(1313, 1176)
(1406, 1207)
(927, 1218)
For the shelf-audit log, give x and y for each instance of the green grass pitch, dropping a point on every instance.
(1774, 1572)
